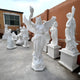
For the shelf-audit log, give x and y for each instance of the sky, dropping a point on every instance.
(23, 5)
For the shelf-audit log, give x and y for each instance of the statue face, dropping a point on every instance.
(23, 27)
(38, 20)
(55, 24)
(68, 15)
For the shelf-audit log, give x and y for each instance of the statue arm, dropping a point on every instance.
(30, 25)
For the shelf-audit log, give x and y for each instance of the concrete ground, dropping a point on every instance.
(16, 65)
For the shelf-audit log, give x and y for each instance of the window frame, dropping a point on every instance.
(13, 14)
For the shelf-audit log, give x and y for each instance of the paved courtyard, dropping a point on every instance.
(16, 65)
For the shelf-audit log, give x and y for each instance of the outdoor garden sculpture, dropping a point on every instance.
(54, 34)
(10, 42)
(70, 32)
(38, 40)
(5, 36)
(14, 36)
(25, 37)
(20, 38)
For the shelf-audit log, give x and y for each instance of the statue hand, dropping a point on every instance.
(31, 10)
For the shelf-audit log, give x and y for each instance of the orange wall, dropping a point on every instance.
(60, 12)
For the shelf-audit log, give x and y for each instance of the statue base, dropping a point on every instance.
(53, 51)
(68, 59)
(37, 62)
(38, 67)
(11, 47)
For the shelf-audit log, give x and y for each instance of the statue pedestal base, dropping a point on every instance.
(53, 51)
(37, 62)
(38, 69)
(68, 59)
(45, 49)
(11, 47)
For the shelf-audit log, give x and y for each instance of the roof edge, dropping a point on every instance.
(11, 11)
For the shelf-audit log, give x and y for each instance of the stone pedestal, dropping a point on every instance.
(53, 51)
(68, 59)
(10, 48)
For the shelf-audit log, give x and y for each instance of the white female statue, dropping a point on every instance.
(39, 31)
(70, 32)
(54, 34)
(14, 36)
(25, 37)
(5, 36)
(20, 38)
(10, 42)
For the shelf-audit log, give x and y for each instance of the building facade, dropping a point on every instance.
(11, 18)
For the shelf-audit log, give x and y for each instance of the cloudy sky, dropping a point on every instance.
(23, 5)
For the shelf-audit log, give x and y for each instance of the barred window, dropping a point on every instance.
(12, 20)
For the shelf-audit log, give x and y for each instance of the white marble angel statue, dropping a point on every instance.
(20, 37)
(38, 40)
(10, 42)
(25, 37)
(70, 32)
(54, 34)
(5, 36)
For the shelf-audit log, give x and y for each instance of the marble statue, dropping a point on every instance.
(10, 41)
(79, 73)
(14, 36)
(21, 28)
(25, 37)
(20, 37)
(54, 34)
(5, 36)
(70, 32)
(53, 47)
(38, 40)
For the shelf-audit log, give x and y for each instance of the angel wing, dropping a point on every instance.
(49, 23)
(30, 26)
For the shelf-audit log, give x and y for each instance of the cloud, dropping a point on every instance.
(23, 5)
(25, 0)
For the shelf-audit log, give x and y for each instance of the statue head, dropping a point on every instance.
(31, 9)
(38, 20)
(23, 27)
(68, 15)
(44, 21)
(6, 26)
(9, 31)
(71, 14)
(55, 24)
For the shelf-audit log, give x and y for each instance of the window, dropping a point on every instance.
(12, 20)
